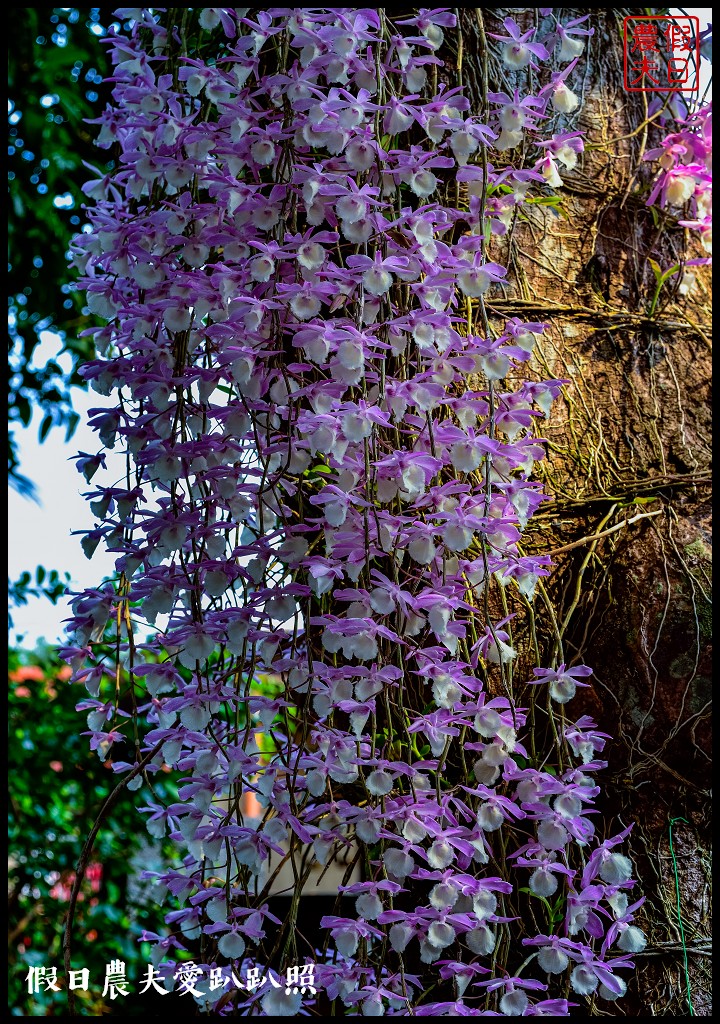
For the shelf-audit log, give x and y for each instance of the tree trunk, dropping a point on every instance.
(628, 459)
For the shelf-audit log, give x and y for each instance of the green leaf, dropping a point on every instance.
(545, 200)
(72, 422)
(45, 426)
(656, 269)
(541, 898)
(670, 272)
(558, 912)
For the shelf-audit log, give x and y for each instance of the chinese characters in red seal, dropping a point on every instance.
(661, 53)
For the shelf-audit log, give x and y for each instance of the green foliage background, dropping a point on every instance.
(57, 786)
(55, 70)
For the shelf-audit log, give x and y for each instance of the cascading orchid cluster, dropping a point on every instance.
(683, 187)
(684, 184)
(326, 490)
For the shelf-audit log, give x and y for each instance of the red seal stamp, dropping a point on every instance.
(661, 53)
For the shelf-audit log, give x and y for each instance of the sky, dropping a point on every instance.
(42, 534)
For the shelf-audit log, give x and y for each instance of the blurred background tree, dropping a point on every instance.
(55, 72)
(58, 784)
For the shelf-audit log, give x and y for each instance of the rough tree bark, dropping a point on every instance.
(628, 448)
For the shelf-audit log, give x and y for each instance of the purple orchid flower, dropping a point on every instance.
(518, 50)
